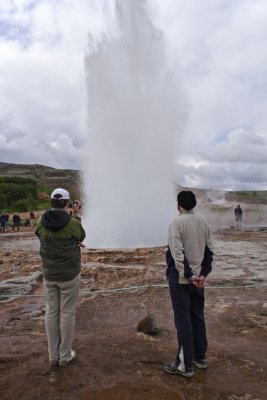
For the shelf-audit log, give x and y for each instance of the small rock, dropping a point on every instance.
(147, 325)
(17, 264)
(36, 313)
(52, 376)
(160, 264)
(14, 319)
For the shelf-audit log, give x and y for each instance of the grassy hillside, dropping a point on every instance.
(47, 178)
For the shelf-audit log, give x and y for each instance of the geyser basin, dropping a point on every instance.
(136, 114)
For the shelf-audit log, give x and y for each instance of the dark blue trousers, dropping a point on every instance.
(188, 307)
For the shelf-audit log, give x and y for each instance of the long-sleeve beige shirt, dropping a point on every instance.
(187, 237)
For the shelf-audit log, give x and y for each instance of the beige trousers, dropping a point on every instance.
(61, 301)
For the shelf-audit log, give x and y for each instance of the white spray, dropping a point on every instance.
(136, 114)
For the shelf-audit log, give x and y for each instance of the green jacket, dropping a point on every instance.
(59, 236)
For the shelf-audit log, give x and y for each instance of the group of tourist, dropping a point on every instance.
(4, 222)
(17, 221)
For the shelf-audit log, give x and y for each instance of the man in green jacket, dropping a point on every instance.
(60, 238)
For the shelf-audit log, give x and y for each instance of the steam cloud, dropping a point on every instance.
(136, 114)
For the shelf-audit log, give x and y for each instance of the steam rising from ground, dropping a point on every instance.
(136, 114)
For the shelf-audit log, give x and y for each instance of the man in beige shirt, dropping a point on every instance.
(189, 261)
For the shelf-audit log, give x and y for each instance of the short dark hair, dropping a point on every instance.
(186, 199)
(59, 203)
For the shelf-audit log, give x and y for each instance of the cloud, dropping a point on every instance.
(238, 161)
(222, 64)
(42, 81)
(241, 146)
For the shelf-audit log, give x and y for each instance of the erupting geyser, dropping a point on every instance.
(136, 114)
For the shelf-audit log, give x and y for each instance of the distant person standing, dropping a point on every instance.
(7, 219)
(16, 222)
(32, 219)
(76, 209)
(3, 222)
(60, 237)
(189, 261)
(238, 216)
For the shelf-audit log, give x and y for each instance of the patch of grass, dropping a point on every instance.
(43, 205)
(44, 189)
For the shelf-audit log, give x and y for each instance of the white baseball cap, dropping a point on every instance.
(60, 194)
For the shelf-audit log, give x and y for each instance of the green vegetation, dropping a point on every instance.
(21, 194)
(17, 194)
(43, 205)
(45, 189)
(25, 204)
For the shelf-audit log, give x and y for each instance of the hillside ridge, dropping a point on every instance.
(44, 175)
(71, 180)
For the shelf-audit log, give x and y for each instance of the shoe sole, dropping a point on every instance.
(66, 363)
(184, 374)
(200, 366)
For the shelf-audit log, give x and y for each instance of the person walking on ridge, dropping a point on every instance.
(60, 238)
(189, 260)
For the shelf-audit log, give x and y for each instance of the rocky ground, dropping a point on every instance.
(114, 360)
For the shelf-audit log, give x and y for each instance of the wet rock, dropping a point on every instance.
(36, 313)
(119, 260)
(160, 264)
(19, 286)
(17, 264)
(14, 319)
(147, 325)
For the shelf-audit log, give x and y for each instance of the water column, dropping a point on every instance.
(135, 119)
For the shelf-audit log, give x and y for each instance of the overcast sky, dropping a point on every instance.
(222, 58)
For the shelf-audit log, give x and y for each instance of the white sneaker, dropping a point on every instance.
(66, 363)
